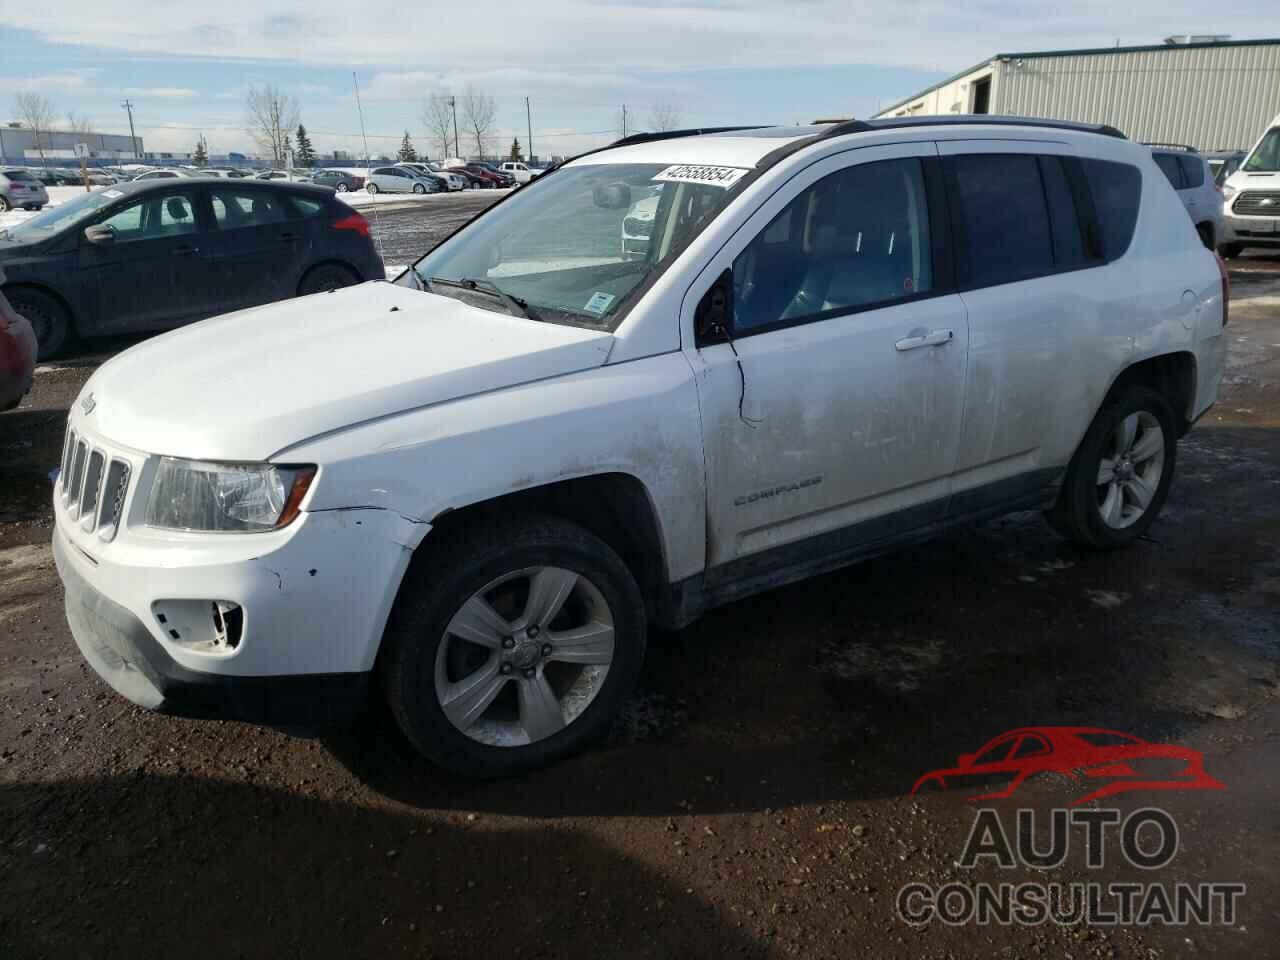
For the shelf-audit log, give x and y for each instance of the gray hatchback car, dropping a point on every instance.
(18, 188)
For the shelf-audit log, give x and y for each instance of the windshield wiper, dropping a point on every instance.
(516, 306)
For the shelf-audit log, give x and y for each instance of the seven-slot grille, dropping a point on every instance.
(94, 486)
(1258, 203)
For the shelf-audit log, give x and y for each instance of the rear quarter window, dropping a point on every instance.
(1169, 166)
(1117, 192)
(1192, 171)
(306, 206)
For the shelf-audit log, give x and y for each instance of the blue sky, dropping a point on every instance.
(186, 67)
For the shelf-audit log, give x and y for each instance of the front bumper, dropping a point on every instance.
(1251, 231)
(122, 650)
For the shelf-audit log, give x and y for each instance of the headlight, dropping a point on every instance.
(1228, 192)
(226, 497)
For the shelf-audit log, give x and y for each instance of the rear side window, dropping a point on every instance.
(1192, 171)
(1117, 190)
(236, 209)
(1003, 217)
(305, 206)
(1064, 221)
(1168, 164)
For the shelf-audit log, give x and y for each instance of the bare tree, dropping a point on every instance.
(79, 123)
(271, 116)
(479, 111)
(438, 118)
(36, 111)
(664, 116)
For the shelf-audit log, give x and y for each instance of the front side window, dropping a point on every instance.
(234, 209)
(156, 217)
(55, 219)
(1266, 155)
(856, 238)
(1003, 217)
(574, 247)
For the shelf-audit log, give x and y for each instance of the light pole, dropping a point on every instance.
(528, 118)
(132, 138)
(453, 105)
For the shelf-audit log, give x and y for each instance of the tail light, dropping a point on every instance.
(1226, 288)
(353, 221)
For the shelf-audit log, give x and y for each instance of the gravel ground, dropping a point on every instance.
(752, 801)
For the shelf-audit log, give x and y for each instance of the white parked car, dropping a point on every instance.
(400, 180)
(472, 490)
(20, 188)
(165, 174)
(1191, 176)
(1252, 195)
(518, 171)
(444, 182)
(455, 180)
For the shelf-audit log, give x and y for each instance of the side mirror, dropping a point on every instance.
(612, 196)
(100, 235)
(714, 315)
(965, 760)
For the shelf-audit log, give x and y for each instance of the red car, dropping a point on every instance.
(479, 176)
(17, 354)
(1116, 762)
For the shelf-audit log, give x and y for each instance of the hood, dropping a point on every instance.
(249, 384)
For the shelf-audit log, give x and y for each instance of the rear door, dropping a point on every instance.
(156, 274)
(254, 246)
(1038, 330)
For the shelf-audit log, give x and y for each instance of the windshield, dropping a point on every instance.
(56, 219)
(577, 245)
(1266, 155)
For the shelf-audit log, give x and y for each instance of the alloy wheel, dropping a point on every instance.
(524, 656)
(1130, 469)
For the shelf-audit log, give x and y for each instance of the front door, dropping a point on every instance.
(155, 274)
(840, 426)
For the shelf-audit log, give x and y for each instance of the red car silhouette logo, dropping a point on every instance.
(1117, 762)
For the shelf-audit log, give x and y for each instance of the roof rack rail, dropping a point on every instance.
(1169, 146)
(674, 134)
(972, 119)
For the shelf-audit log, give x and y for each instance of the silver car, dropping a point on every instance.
(399, 180)
(18, 188)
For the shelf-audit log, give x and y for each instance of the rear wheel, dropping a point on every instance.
(328, 276)
(514, 647)
(1119, 478)
(5, 206)
(1230, 251)
(1205, 230)
(342, 187)
(49, 319)
(372, 188)
(419, 188)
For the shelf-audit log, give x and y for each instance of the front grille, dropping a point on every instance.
(1258, 203)
(95, 485)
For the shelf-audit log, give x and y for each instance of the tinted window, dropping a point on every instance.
(19, 175)
(994, 754)
(1192, 171)
(233, 209)
(1029, 747)
(1064, 223)
(306, 206)
(1003, 217)
(854, 238)
(1116, 189)
(156, 217)
(1168, 164)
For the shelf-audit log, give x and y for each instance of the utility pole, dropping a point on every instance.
(132, 139)
(453, 104)
(528, 118)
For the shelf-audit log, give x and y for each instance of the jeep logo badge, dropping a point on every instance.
(87, 404)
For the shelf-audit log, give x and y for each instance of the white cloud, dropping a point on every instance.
(59, 80)
(165, 93)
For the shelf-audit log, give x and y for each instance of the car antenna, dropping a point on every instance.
(368, 169)
(742, 376)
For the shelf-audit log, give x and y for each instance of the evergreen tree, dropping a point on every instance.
(407, 154)
(304, 156)
(200, 157)
(516, 153)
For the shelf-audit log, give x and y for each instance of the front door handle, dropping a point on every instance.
(917, 339)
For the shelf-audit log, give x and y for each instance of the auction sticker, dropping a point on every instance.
(708, 176)
(113, 194)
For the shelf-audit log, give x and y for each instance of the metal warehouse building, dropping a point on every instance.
(1208, 92)
(18, 146)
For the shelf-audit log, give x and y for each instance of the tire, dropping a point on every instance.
(1108, 515)
(419, 189)
(5, 206)
(342, 187)
(1230, 251)
(326, 277)
(50, 320)
(503, 732)
(371, 188)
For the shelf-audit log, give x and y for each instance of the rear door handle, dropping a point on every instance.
(934, 338)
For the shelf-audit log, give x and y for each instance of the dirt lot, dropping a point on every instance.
(755, 798)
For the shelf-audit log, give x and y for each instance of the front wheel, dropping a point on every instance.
(419, 189)
(513, 646)
(49, 319)
(1119, 478)
(5, 206)
(342, 187)
(372, 189)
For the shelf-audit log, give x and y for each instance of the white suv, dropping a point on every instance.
(1252, 195)
(474, 488)
(1191, 176)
